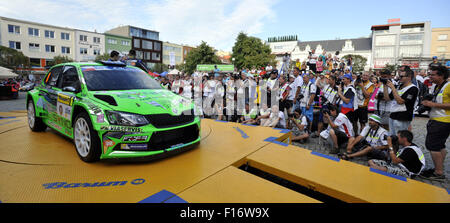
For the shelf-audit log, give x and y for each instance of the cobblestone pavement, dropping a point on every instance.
(419, 131)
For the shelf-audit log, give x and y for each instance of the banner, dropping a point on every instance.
(210, 67)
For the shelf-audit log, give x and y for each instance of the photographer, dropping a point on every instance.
(372, 141)
(339, 131)
(298, 82)
(328, 97)
(308, 92)
(409, 160)
(403, 98)
(383, 105)
(438, 127)
(364, 89)
(298, 123)
(285, 90)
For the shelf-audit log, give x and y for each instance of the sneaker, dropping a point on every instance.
(426, 173)
(436, 177)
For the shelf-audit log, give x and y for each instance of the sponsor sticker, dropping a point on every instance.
(120, 128)
(134, 138)
(65, 185)
(133, 146)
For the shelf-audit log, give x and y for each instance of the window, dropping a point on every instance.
(65, 36)
(65, 50)
(147, 45)
(441, 49)
(14, 45)
(443, 37)
(96, 52)
(83, 50)
(49, 48)
(157, 46)
(33, 46)
(49, 34)
(35, 62)
(112, 41)
(156, 56)
(14, 29)
(409, 39)
(125, 43)
(384, 52)
(137, 43)
(83, 38)
(139, 55)
(69, 78)
(96, 39)
(33, 32)
(410, 51)
(385, 40)
(147, 56)
(53, 75)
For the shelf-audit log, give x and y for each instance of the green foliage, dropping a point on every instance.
(391, 68)
(203, 54)
(101, 57)
(13, 59)
(250, 52)
(61, 59)
(359, 62)
(283, 38)
(159, 68)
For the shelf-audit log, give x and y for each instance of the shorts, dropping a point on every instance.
(396, 125)
(351, 115)
(341, 138)
(362, 144)
(392, 168)
(299, 133)
(361, 115)
(437, 134)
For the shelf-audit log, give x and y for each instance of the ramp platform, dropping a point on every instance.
(44, 168)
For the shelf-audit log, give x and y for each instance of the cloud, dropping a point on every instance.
(179, 21)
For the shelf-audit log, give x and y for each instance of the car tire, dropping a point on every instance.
(86, 140)
(35, 123)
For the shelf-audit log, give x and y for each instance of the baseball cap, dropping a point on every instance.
(349, 76)
(375, 118)
(435, 57)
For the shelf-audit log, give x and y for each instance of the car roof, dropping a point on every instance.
(80, 64)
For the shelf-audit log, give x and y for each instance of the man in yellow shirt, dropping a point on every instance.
(438, 127)
(298, 64)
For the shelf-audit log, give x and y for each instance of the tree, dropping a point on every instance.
(392, 68)
(359, 62)
(13, 59)
(203, 54)
(251, 52)
(61, 59)
(101, 57)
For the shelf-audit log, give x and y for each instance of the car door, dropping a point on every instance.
(48, 95)
(69, 85)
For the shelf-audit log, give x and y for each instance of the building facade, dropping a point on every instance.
(401, 44)
(145, 42)
(440, 43)
(172, 54)
(88, 45)
(186, 50)
(300, 50)
(40, 42)
(121, 44)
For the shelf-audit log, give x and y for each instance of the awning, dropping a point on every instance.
(7, 73)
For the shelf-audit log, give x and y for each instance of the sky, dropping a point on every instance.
(218, 22)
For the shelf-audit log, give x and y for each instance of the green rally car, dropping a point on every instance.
(111, 110)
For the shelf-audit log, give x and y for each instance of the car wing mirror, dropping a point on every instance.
(70, 89)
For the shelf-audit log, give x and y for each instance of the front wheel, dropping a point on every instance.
(86, 139)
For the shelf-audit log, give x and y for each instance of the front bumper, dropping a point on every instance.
(148, 145)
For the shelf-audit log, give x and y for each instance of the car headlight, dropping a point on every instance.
(124, 118)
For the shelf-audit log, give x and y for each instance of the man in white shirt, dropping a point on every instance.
(298, 82)
(339, 131)
(312, 60)
(308, 90)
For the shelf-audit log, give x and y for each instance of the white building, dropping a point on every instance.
(88, 45)
(40, 42)
(300, 50)
(401, 44)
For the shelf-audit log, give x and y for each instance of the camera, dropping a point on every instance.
(423, 108)
(358, 80)
(326, 111)
(383, 80)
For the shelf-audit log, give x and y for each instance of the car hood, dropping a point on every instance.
(144, 102)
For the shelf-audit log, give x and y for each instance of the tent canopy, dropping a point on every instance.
(174, 71)
(7, 73)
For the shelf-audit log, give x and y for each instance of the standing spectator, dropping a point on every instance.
(298, 82)
(447, 65)
(176, 84)
(312, 60)
(284, 92)
(319, 65)
(403, 99)
(328, 97)
(114, 56)
(438, 127)
(409, 160)
(364, 90)
(383, 105)
(435, 62)
(339, 131)
(308, 91)
(347, 95)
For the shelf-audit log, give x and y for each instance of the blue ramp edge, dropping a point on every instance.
(388, 174)
(448, 191)
(176, 199)
(249, 125)
(220, 121)
(325, 156)
(272, 139)
(4, 117)
(158, 197)
(243, 134)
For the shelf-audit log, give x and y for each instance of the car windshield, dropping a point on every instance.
(107, 78)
